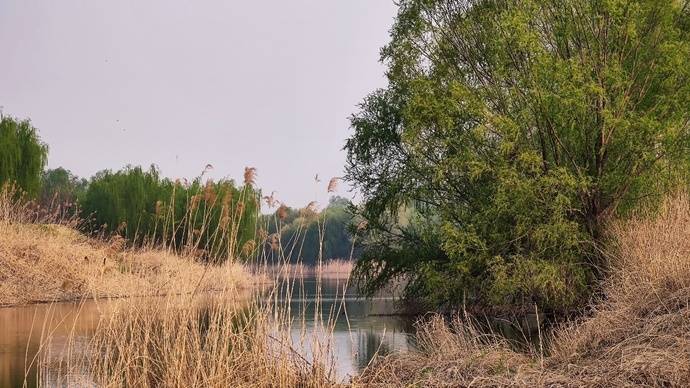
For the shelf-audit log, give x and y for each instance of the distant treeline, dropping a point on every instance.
(305, 235)
(216, 220)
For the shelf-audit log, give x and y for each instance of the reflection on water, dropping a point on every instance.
(21, 329)
(361, 329)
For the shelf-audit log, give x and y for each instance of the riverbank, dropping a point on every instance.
(638, 333)
(52, 262)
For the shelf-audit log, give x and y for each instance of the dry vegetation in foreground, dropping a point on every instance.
(188, 342)
(218, 339)
(637, 335)
(43, 258)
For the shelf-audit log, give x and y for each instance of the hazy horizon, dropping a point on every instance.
(183, 84)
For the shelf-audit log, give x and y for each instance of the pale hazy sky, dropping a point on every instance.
(268, 84)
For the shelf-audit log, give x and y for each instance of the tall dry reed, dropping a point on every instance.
(216, 341)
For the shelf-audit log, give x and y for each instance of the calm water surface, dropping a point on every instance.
(362, 327)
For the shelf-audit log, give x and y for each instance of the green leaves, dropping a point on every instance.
(520, 127)
(22, 155)
(301, 236)
(219, 218)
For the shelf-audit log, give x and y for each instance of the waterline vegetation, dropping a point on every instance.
(191, 342)
(523, 158)
(216, 218)
(635, 334)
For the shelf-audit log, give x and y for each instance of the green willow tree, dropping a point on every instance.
(22, 155)
(218, 219)
(513, 130)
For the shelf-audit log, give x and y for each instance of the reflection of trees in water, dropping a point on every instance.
(369, 342)
(21, 331)
(12, 372)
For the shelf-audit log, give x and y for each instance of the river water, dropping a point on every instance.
(361, 328)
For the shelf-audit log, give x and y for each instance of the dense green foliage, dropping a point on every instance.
(60, 187)
(306, 235)
(515, 129)
(22, 155)
(217, 219)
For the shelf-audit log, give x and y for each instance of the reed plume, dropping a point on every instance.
(270, 200)
(282, 212)
(209, 192)
(250, 176)
(333, 184)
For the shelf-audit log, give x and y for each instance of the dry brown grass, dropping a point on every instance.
(186, 342)
(43, 258)
(223, 339)
(43, 263)
(637, 335)
(455, 354)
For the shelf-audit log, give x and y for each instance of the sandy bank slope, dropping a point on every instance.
(53, 262)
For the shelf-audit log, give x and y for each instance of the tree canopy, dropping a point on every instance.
(216, 218)
(59, 187)
(515, 129)
(306, 234)
(22, 155)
